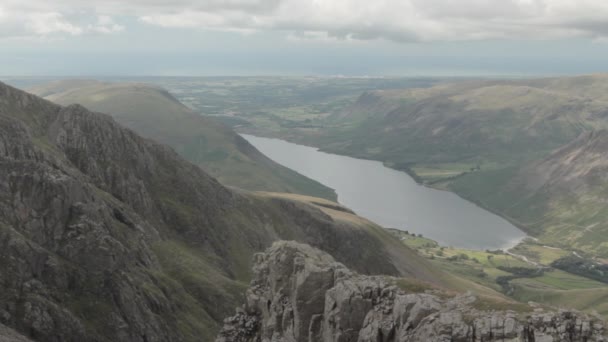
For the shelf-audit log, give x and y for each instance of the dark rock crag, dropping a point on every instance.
(301, 294)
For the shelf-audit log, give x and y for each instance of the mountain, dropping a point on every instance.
(302, 294)
(156, 114)
(108, 236)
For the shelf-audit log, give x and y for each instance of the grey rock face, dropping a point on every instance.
(300, 294)
(83, 204)
(70, 254)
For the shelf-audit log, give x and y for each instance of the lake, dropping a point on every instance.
(393, 199)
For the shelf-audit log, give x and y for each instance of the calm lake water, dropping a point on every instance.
(393, 199)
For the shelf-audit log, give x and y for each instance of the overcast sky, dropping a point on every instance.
(312, 37)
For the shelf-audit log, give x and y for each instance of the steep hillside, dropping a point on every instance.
(107, 236)
(561, 197)
(156, 114)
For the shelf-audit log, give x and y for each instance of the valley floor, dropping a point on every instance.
(524, 272)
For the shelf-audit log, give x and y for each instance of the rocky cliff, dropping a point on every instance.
(107, 236)
(301, 294)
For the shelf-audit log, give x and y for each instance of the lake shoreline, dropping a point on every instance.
(507, 244)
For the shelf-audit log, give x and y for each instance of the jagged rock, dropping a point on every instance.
(300, 294)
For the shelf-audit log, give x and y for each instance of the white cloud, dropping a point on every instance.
(105, 24)
(398, 20)
(38, 19)
(49, 23)
(27, 24)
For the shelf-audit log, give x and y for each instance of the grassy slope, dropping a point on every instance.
(407, 261)
(155, 114)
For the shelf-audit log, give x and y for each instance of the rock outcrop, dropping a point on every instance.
(301, 294)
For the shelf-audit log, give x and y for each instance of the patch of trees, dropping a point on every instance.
(298, 124)
(516, 272)
(406, 167)
(447, 179)
(233, 121)
(457, 257)
(523, 272)
(584, 267)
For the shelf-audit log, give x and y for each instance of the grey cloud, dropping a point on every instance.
(396, 20)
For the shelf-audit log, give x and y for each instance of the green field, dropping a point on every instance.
(539, 253)
(554, 287)
(560, 280)
(590, 300)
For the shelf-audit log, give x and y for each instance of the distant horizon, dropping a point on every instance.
(321, 76)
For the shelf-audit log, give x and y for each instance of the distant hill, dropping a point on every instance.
(472, 121)
(154, 113)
